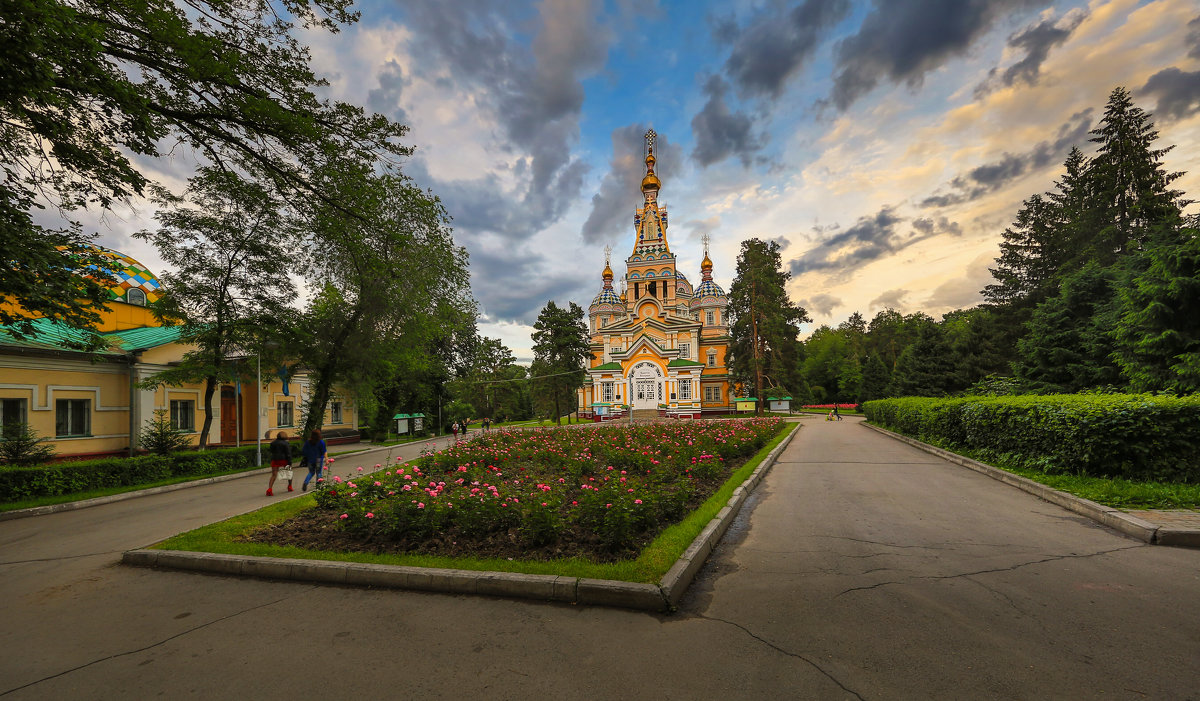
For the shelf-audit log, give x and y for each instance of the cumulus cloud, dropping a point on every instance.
(720, 132)
(1177, 93)
(889, 299)
(385, 99)
(514, 284)
(1193, 38)
(821, 304)
(776, 44)
(963, 291)
(611, 216)
(990, 177)
(536, 95)
(870, 239)
(902, 41)
(1035, 40)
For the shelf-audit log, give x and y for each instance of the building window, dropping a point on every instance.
(284, 414)
(685, 350)
(136, 296)
(183, 414)
(708, 317)
(72, 417)
(607, 391)
(685, 389)
(712, 393)
(12, 413)
(712, 360)
(335, 413)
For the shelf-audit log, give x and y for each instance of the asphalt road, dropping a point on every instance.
(861, 568)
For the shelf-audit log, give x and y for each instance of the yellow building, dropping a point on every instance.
(89, 403)
(659, 346)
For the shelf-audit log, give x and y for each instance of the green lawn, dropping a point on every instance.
(650, 566)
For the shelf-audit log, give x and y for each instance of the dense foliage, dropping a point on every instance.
(53, 479)
(560, 346)
(610, 486)
(1134, 436)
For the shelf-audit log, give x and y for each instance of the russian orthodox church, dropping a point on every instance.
(659, 346)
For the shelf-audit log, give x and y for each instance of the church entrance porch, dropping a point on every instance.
(646, 384)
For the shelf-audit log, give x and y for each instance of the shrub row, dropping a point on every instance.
(53, 479)
(1137, 437)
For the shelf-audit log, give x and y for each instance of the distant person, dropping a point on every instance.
(485, 423)
(313, 451)
(454, 428)
(281, 456)
(836, 415)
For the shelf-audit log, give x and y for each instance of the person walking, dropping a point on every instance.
(836, 415)
(281, 456)
(454, 428)
(313, 451)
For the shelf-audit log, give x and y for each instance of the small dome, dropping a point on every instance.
(651, 182)
(682, 283)
(706, 264)
(607, 302)
(608, 273)
(709, 294)
(130, 275)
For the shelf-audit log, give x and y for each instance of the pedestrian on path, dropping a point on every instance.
(454, 428)
(313, 451)
(281, 456)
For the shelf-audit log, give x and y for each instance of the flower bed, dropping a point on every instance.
(829, 406)
(597, 492)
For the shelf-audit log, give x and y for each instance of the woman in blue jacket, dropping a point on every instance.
(313, 451)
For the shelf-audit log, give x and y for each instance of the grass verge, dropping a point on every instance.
(109, 491)
(1115, 492)
(649, 567)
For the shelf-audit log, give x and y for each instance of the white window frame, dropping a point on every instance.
(73, 431)
(21, 412)
(709, 317)
(285, 410)
(685, 390)
(335, 412)
(606, 391)
(685, 351)
(712, 359)
(183, 414)
(135, 296)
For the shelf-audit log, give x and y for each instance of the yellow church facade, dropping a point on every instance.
(90, 404)
(659, 346)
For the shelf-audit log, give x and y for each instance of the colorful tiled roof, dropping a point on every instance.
(708, 294)
(130, 274)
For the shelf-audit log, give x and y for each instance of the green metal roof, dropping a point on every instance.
(745, 399)
(49, 334)
(607, 366)
(680, 363)
(408, 416)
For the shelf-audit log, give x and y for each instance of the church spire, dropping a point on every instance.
(650, 183)
(650, 220)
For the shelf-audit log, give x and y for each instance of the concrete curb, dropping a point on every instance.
(1113, 518)
(576, 590)
(124, 496)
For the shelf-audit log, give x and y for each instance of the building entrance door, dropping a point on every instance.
(228, 415)
(647, 387)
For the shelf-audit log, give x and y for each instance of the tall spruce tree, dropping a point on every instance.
(765, 322)
(560, 347)
(1158, 335)
(1131, 193)
(926, 367)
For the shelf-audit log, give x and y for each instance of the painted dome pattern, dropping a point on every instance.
(709, 294)
(130, 275)
(682, 285)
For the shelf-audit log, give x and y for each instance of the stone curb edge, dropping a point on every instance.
(1113, 518)
(577, 590)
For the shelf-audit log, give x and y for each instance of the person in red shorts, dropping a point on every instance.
(281, 456)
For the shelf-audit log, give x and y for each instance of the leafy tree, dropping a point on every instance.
(1158, 335)
(890, 332)
(1070, 340)
(764, 349)
(391, 281)
(51, 274)
(560, 347)
(21, 445)
(159, 437)
(826, 352)
(230, 283)
(89, 86)
(493, 381)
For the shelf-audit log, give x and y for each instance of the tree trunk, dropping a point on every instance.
(557, 415)
(758, 388)
(325, 374)
(210, 388)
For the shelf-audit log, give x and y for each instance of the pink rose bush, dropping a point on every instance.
(612, 486)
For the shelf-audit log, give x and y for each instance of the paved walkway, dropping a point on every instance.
(862, 568)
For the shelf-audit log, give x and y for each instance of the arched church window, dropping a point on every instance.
(136, 296)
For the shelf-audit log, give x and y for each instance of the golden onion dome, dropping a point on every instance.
(706, 263)
(608, 273)
(651, 182)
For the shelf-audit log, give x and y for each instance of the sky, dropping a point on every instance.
(884, 145)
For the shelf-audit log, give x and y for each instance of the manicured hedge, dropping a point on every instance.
(1135, 436)
(17, 483)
